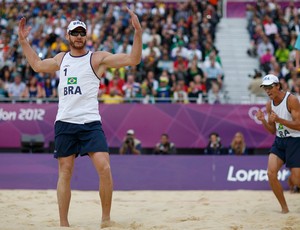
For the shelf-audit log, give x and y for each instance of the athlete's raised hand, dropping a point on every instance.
(134, 20)
(23, 31)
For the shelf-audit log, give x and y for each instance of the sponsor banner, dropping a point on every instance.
(39, 171)
(188, 125)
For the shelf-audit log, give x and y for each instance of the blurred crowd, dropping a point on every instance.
(273, 30)
(180, 62)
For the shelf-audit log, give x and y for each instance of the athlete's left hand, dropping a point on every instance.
(273, 117)
(134, 19)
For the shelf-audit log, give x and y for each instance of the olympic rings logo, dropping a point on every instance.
(252, 113)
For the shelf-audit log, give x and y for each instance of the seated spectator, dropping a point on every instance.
(150, 84)
(17, 88)
(150, 61)
(165, 147)
(214, 54)
(264, 45)
(213, 74)
(116, 83)
(215, 95)
(112, 97)
(125, 47)
(180, 50)
(200, 83)
(165, 62)
(144, 97)
(155, 37)
(151, 48)
(282, 53)
(265, 61)
(163, 92)
(6, 76)
(169, 27)
(214, 146)
(194, 94)
(131, 88)
(180, 95)
(194, 52)
(238, 145)
(33, 89)
(270, 28)
(193, 71)
(48, 90)
(131, 145)
(181, 70)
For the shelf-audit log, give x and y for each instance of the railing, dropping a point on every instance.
(244, 98)
(151, 100)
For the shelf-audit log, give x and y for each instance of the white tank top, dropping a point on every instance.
(282, 111)
(78, 90)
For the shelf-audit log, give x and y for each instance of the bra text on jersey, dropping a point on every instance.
(69, 90)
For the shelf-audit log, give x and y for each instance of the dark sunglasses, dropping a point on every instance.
(268, 86)
(76, 33)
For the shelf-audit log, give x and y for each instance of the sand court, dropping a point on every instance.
(143, 210)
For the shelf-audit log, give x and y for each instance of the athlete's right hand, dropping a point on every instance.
(260, 115)
(23, 31)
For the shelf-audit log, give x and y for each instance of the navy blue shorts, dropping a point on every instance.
(79, 139)
(288, 150)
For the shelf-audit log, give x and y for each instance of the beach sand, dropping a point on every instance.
(142, 210)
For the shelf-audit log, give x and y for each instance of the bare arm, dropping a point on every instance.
(268, 125)
(120, 60)
(38, 65)
(294, 107)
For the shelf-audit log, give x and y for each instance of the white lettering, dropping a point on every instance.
(23, 115)
(253, 174)
(243, 175)
(31, 114)
(229, 175)
(7, 116)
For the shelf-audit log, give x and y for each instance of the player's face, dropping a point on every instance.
(77, 38)
(270, 90)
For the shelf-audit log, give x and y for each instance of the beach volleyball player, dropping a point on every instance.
(284, 121)
(78, 125)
